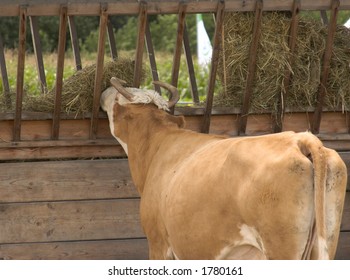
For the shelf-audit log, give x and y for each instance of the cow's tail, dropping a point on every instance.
(312, 147)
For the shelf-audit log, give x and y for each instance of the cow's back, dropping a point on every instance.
(234, 193)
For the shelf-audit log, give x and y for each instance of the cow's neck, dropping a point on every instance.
(146, 132)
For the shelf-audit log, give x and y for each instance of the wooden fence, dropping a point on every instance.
(88, 209)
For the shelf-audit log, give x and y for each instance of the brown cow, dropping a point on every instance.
(277, 196)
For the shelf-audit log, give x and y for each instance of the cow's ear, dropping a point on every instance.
(179, 120)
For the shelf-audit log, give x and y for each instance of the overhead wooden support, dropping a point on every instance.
(151, 56)
(99, 71)
(214, 66)
(190, 67)
(316, 121)
(4, 76)
(75, 42)
(20, 73)
(38, 52)
(59, 72)
(278, 117)
(253, 52)
(140, 44)
(111, 41)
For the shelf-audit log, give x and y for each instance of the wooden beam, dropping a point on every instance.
(278, 117)
(20, 73)
(178, 46)
(316, 121)
(122, 7)
(190, 67)
(99, 71)
(34, 27)
(4, 77)
(151, 56)
(214, 66)
(140, 43)
(75, 42)
(178, 43)
(59, 73)
(111, 41)
(253, 52)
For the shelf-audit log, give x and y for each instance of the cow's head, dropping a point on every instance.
(115, 101)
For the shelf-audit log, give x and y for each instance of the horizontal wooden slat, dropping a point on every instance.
(128, 249)
(41, 130)
(10, 8)
(70, 221)
(65, 180)
(61, 152)
(225, 123)
(74, 134)
(343, 250)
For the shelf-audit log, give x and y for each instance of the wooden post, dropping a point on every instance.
(178, 46)
(4, 77)
(316, 121)
(151, 56)
(214, 66)
(243, 118)
(190, 67)
(140, 44)
(75, 42)
(278, 117)
(38, 52)
(99, 71)
(111, 41)
(20, 73)
(59, 72)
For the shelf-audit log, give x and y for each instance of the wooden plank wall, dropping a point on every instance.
(82, 209)
(69, 210)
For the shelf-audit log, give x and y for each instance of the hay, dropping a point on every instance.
(77, 90)
(272, 61)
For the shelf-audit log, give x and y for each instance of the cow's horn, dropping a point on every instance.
(174, 94)
(117, 84)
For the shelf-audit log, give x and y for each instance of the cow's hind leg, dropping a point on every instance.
(242, 252)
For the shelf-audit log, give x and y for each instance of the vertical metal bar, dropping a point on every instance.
(20, 73)
(140, 44)
(75, 42)
(59, 72)
(316, 121)
(38, 52)
(4, 77)
(151, 56)
(214, 66)
(99, 71)
(111, 41)
(243, 118)
(278, 117)
(190, 67)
